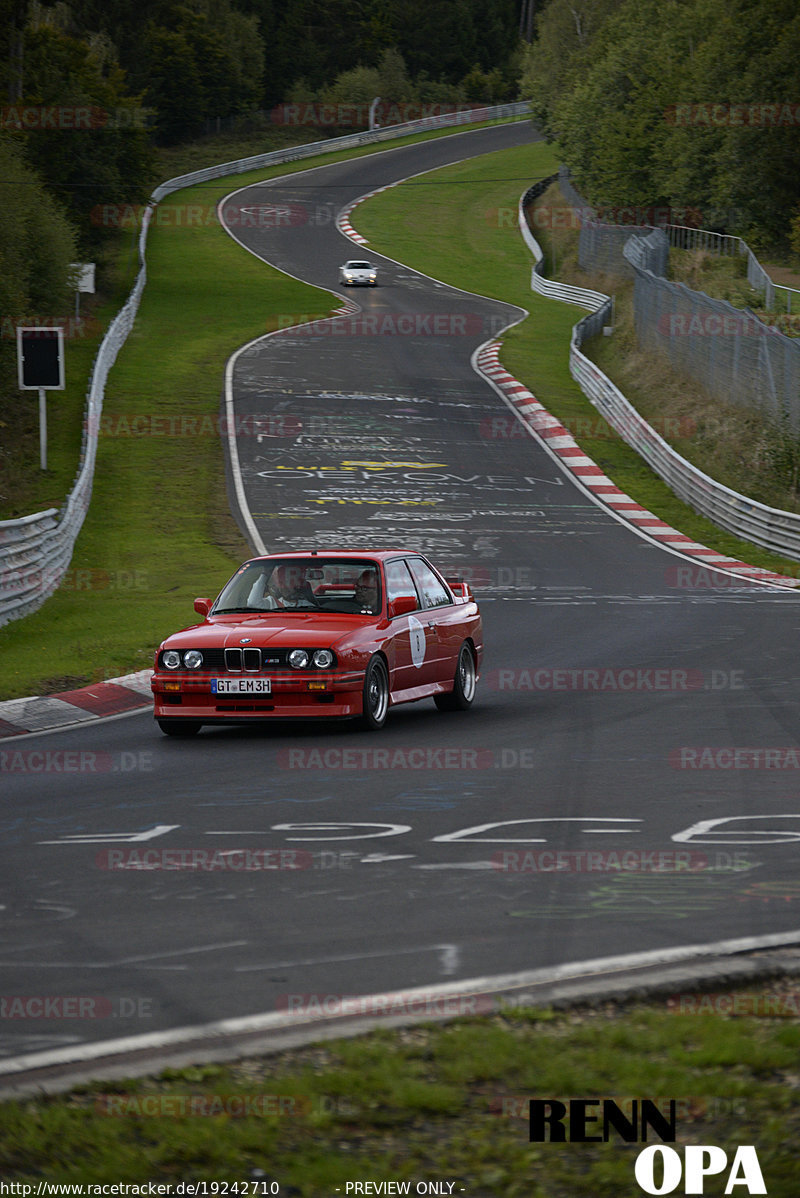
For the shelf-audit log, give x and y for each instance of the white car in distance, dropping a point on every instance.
(359, 274)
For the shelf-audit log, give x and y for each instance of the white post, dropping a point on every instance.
(43, 428)
(372, 108)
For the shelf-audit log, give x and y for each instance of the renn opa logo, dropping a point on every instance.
(587, 1126)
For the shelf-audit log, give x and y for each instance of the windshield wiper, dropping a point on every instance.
(250, 611)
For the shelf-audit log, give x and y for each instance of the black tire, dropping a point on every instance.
(182, 728)
(463, 693)
(375, 695)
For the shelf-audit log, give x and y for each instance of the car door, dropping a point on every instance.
(408, 636)
(440, 621)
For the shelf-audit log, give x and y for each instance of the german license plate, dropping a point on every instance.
(241, 686)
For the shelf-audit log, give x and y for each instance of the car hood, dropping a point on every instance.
(306, 629)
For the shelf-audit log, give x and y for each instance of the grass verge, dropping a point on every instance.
(24, 487)
(738, 446)
(436, 1102)
(159, 529)
(464, 236)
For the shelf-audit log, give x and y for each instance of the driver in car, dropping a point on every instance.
(289, 587)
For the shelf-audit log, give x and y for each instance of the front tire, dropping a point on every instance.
(464, 684)
(375, 695)
(181, 728)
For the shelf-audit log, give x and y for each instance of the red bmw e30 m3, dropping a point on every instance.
(321, 634)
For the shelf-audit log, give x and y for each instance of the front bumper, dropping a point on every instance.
(180, 696)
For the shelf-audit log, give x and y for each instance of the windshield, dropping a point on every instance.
(303, 584)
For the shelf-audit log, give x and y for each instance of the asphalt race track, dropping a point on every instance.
(633, 711)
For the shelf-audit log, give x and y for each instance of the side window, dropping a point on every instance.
(398, 581)
(430, 588)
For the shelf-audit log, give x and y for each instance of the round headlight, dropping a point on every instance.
(171, 659)
(323, 658)
(298, 659)
(193, 659)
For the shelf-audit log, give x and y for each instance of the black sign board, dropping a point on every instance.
(40, 358)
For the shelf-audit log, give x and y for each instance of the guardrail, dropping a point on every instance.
(548, 287)
(769, 527)
(35, 551)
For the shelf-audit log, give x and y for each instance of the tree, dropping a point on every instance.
(90, 145)
(37, 244)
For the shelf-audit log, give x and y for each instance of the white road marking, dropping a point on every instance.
(145, 959)
(276, 1021)
(114, 837)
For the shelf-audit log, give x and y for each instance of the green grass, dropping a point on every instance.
(24, 487)
(452, 231)
(158, 530)
(444, 1102)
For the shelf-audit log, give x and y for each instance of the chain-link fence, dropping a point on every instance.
(729, 351)
(776, 530)
(601, 248)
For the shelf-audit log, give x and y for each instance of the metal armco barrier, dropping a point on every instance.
(35, 551)
(769, 527)
(561, 291)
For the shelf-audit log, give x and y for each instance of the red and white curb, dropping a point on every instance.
(42, 713)
(558, 439)
(343, 219)
(561, 443)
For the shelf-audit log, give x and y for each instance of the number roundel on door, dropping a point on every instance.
(417, 634)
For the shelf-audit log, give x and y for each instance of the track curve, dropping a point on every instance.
(625, 782)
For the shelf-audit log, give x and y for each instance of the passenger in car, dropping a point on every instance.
(366, 592)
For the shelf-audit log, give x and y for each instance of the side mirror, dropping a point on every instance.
(402, 605)
(202, 606)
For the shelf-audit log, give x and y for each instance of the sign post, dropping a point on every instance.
(40, 367)
(83, 280)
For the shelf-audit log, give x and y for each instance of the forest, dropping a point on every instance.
(682, 104)
(686, 104)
